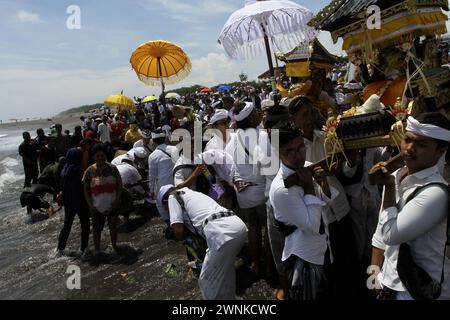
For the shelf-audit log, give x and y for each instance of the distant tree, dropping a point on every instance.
(243, 77)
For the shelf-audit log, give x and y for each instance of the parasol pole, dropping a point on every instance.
(269, 60)
(269, 55)
(162, 83)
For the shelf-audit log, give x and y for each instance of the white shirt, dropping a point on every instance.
(149, 148)
(246, 167)
(105, 132)
(161, 166)
(130, 175)
(198, 208)
(118, 160)
(181, 175)
(216, 143)
(292, 207)
(315, 152)
(421, 223)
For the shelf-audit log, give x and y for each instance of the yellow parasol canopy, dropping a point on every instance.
(158, 62)
(121, 101)
(149, 99)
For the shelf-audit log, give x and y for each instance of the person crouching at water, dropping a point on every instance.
(32, 198)
(224, 232)
(74, 201)
(102, 189)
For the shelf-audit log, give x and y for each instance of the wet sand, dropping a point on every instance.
(29, 270)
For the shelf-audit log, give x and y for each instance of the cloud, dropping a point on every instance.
(52, 91)
(25, 16)
(190, 11)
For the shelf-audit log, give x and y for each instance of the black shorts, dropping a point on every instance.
(28, 199)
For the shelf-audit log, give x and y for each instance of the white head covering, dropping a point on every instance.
(248, 109)
(162, 192)
(145, 134)
(427, 130)
(220, 114)
(140, 152)
(216, 104)
(158, 135)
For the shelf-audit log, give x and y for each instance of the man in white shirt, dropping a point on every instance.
(304, 116)
(104, 130)
(219, 122)
(300, 207)
(249, 183)
(160, 166)
(145, 142)
(132, 190)
(224, 232)
(422, 221)
(137, 156)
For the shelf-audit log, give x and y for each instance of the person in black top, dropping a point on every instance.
(46, 156)
(29, 154)
(41, 139)
(60, 142)
(72, 194)
(51, 176)
(76, 138)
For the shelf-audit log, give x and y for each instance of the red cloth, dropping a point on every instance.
(117, 128)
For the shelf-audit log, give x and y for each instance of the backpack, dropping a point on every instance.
(447, 188)
(415, 279)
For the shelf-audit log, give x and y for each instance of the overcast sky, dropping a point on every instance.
(46, 68)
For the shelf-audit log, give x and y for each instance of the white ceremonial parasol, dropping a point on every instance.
(247, 32)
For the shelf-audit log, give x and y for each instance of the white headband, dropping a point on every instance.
(245, 112)
(427, 130)
(158, 135)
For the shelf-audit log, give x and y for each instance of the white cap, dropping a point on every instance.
(220, 114)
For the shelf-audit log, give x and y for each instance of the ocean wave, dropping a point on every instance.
(9, 162)
(3, 135)
(9, 177)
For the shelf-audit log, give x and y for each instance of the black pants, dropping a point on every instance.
(344, 275)
(69, 216)
(31, 174)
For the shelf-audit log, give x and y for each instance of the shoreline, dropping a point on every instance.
(44, 123)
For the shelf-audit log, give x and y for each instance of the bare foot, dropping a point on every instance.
(279, 294)
(50, 212)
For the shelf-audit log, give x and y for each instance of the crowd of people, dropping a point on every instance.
(315, 230)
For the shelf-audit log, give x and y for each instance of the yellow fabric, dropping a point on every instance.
(133, 135)
(149, 99)
(301, 69)
(424, 20)
(119, 100)
(175, 64)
